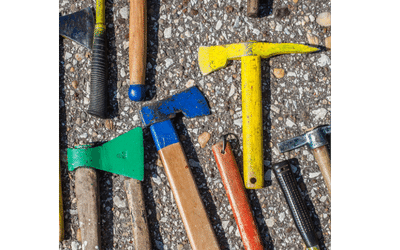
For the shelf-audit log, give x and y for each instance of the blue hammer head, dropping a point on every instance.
(190, 102)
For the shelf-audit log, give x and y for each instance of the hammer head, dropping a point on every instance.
(314, 139)
(216, 57)
(190, 102)
(78, 27)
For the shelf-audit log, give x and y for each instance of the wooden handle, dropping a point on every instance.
(252, 8)
(253, 165)
(140, 230)
(187, 197)
(321, 155)
(88, 203)
(237, 197)
(137, 48)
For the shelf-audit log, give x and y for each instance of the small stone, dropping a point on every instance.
(123, 74)
(74, 245)
(229, 9)
(320, 113)
(232, 91)
(156, 179)
(328, 42)
(312, 39)
(225, 224)
(180, 246)
(289, 123)
(119, 202)
(238, 122)
(168, 62)
(74, 84)
(324, 19)
(313, 175)
(194, 12)
(323, 60)
(168, 32)
(190, 83)
(275, 109)
(322, 199)
(279, 73)
(282, 12)
(78, 57)
(84, 135)
(282, 216)
(87, 54)
(79, 235)
(94, 134)
(124, 12)
(72, 70)
(203, 139)
(295, 1)
(219, 25)
(159, 161)
(68, 56)
(109, 124)
(270, 222)
(231, 111)
(85, 100)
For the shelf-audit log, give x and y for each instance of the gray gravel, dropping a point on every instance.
(298, 101)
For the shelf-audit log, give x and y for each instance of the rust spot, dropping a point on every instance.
(186, 166)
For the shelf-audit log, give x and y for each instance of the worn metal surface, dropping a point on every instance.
(237, 196)
(122, 155)
(78, 26)
(313, 139)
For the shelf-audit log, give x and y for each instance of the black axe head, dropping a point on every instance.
(78, 27)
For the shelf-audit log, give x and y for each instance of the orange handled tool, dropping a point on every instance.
(236, 193)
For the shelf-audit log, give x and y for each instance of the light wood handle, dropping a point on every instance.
(252, 8)
(140, 230)
(321, 155)
(187, 197)
(88, 203)
(137, 41)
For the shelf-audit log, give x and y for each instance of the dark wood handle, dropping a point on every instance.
(187, 197)
(237, 197)
(321, 155)
(88, 203)
(140, 230)
(252, 8)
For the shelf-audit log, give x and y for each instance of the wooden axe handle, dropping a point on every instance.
(140, 230)
(252, 8)
(187, 198)
(236, 193)
(88, 203)
(137, 44)
(321, 155)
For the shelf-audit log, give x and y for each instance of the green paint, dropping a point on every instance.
(123, 155)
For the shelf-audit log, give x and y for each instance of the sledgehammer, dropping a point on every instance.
(250, 53)
(315, 140)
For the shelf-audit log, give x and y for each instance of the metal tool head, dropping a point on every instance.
(314, 139)
(78, 26)
(213, 58)
(190, 102)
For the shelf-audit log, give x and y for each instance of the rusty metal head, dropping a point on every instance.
(213, 58)
(78, 27)
(190, 102)
(314, 139)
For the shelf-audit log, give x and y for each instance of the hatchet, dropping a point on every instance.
(80, 28)
(123, 155)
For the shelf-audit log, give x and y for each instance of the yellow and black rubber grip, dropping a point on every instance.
(297, 206)
(98, 86)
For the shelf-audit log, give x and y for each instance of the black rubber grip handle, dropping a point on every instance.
(98, 86)
(297, 206)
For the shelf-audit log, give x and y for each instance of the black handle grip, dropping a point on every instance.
(296, 204)
(98, 86)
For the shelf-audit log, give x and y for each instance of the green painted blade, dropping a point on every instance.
(123, 155)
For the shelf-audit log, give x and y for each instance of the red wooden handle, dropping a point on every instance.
(236, 193)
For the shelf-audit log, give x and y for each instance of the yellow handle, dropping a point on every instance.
(253, 167)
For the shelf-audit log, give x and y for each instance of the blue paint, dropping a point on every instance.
(137, 92)
(164, 134)
(190, 102)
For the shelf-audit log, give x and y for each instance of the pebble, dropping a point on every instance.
(168, 62)
(270, 222)
(225, 224)
(232, 91)
(68, 56)
(275, 109)
(279, 73)
(328, 42)
(323, 60)
(74, 84)
(123, 74)
(78, 57)
(203, 139)
(313, 175)
(324, 19)
(159, 161)
(194, 12)
(72, 70)
(109, 124)
(229, 9)
(312, 39)
(79, 235)
(124, 12)
(190, 83)
(180, 246)
(156, 179)
(238, 122)
(289, 123)
(168, 32)
(74, 245)
(282, 216)
(320, 113)
(219, 25)
(322, 199)
(84, 135)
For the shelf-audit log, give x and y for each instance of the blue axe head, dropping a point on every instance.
(190, 102)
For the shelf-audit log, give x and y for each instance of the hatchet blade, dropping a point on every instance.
(78, 26)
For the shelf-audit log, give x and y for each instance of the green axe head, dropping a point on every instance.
(78, 27)
(123, 155)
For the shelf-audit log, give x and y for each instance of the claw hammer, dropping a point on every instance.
(250, 53)
(316, 141)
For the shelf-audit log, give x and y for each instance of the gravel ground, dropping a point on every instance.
(294, 101)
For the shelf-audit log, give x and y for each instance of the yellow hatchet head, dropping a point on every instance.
(213, 58)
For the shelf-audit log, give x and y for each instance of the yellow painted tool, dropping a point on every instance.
(216, 57)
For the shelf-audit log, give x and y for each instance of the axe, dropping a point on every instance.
(123, 155)
(80, 28)
(158, 115)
